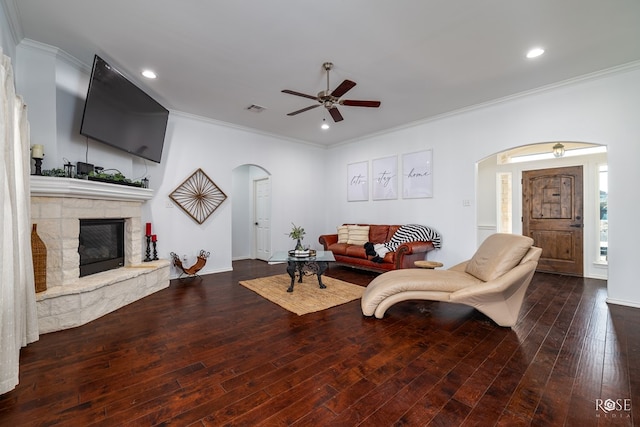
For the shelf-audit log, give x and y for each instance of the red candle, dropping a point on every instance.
(154, 238)
(148, 229)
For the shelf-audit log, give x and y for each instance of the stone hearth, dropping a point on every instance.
(57, 205)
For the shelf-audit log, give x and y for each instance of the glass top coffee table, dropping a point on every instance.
(304, 265)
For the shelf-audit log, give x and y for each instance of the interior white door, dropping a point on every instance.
(262, 223)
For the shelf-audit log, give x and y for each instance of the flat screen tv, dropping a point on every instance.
(120, 114)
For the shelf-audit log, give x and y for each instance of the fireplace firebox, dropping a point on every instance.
(101, 245)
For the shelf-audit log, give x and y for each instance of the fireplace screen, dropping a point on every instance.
(101, 246)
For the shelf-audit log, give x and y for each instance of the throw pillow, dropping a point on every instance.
(343, 234)
(358, 234)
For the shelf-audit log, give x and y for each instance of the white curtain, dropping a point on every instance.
(18, 315)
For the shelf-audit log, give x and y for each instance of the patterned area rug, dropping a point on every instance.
(307, 297)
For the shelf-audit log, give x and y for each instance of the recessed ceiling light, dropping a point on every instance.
(149, 74)
(535, 52)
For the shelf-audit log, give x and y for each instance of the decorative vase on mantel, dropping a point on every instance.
(39, 255)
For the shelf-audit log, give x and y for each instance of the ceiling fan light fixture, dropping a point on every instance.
(330, 99)
(324, 125)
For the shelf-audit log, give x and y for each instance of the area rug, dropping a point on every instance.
(307, 297)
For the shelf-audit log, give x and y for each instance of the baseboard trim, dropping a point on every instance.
(622, 302)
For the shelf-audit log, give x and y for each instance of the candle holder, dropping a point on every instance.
(148, 252)
(155, 252)
(38, 166)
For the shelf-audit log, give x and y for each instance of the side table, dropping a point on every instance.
(428, 264)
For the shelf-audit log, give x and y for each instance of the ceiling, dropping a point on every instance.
(420, 58)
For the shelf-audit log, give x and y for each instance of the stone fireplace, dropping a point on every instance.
(57, 206)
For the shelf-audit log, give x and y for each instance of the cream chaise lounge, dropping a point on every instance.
(493, 281)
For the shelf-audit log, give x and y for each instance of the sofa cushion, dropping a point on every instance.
(498, 254)
(414, 280)
(343, 234)
(356, 251)
(378, 233)
(338, 248)
(358, 234)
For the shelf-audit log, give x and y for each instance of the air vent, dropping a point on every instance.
(256, 108)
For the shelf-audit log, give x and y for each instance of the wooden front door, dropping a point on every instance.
(552, 206)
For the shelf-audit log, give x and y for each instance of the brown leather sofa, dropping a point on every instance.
(352, 253)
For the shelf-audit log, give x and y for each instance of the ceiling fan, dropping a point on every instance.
(331, 99)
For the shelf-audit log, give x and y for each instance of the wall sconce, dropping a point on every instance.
(558, 150)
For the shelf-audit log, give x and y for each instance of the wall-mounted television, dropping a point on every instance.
(118, 113)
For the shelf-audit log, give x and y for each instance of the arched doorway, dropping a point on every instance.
(251, 198)
(499, 193)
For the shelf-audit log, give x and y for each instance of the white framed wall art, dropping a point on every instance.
(417, 176)
(358, 182)
(385, 178)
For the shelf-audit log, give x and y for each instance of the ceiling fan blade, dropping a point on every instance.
(304, 95)
(303, 110)
(337, 117)
(356, 103)
(344, 87)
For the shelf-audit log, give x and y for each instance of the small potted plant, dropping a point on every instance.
(297, 233)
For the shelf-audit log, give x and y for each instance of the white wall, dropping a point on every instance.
(241, 205)
(194, 143)
(601, 109)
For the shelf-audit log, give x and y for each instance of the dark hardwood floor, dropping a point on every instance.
(211, 352)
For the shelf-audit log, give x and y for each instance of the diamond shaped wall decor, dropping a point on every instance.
(198, 196)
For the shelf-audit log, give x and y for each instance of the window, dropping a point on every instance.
(504, 202)
(603, 186)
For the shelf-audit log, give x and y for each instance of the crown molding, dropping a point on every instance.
(55, 52)
(245, 129)
(13, 18)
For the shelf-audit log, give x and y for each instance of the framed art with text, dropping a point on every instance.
(385, 178)
(358, 182)
(417, 177)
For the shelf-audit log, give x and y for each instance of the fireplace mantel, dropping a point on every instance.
(47, 186)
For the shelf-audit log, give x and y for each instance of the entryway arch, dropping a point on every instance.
(499, 179)
(251, 191)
